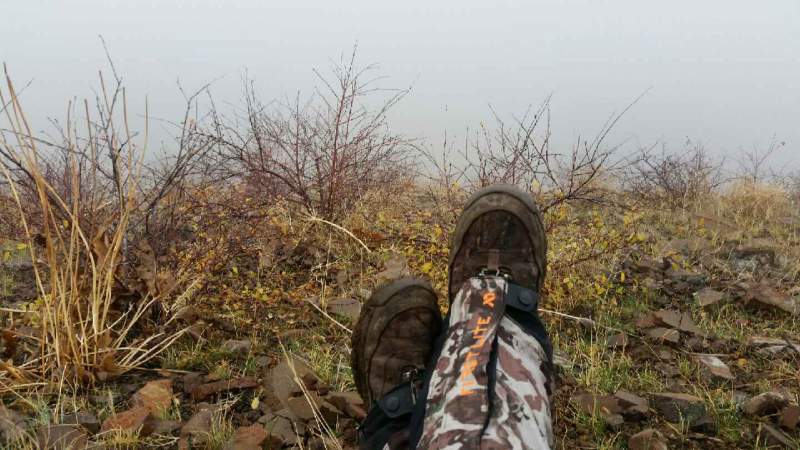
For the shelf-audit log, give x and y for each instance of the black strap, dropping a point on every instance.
(521, 298)
(398, 401)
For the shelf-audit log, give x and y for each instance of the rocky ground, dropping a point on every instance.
(684, 337)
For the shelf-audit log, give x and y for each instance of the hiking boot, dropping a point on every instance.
(394, 337)
(499, 233)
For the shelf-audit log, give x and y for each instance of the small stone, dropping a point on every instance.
(205, 390)
(617, 340)
(347, 307)
(677, 407)
(605, 405)
(715, 366)
(648, 439)
(284, 378)
(348, 402)
(236, 347)
(165, 427)
(678, 320)
(84, 419)
(62, 437)
(790, 417)
(764, 404)
(767, 296)
(775, 437)
(129, 421)
(707, 297)
(664, 335)
(196, 429)
(279, 432)
(247, 438)
(155, 395)
(632, 405)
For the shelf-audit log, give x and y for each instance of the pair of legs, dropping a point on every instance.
(481, 377)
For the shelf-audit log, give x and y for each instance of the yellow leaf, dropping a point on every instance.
(427, 267)
(22, 246)
(254, 403)
(622, 277)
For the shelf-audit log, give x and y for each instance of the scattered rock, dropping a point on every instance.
(347, 307)
(129, 421)
(165, 427)
(349, 403)
(715, 366)
(236, 346)
(633, 406)
(247, 438)
(617, 340)
(763, 250)
(284, 379)
(62, 437)
(648, 439)
(205, 390)
(664, 335)
(12, 423)
(790, 417)
(279, 432)
(685, 276)
(605, 405)
(84, 419)
(707, 297)
(768, 296)
(678, 320)
(677, 407)
(775, 437)
(196, 429)
(155, 395)
(765, 403)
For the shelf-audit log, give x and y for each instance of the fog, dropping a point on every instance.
(725, 73)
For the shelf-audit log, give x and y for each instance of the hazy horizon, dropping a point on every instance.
(723, 73)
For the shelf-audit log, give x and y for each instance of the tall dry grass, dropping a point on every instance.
(83, 332)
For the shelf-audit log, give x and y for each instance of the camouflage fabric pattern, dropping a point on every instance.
(458, 414)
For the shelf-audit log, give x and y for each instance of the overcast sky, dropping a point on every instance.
(724, 72)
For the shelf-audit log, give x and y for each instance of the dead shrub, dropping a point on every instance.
(323, 153)
(673, 180)
(84, 328)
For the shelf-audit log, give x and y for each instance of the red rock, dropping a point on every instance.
(790, 417)
(129, 421)
(155, 395)
(648, 439)
(205, 390)
(247, 438)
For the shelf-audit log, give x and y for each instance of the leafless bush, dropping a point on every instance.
(323, 153)
(672, 179)
(520, 152)
(753, 163)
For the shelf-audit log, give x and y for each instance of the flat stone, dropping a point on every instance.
(155, 395)
(196, 429)
(284, 379)
(347, 307)
(12, 423)
(760, 341)
(606, 406)
(664, 335)
(129, 421)
(707, 297)
(62, 437)
(617, 340)
(775, 437)
(247, 438)
(790, 417)
(165, 427)
(349, 403)
(632, 405)
(279, 432)
(84, 419)
(764, 404)
(676, 319)
(767, 296)
(205, 390)
(237, 346)
(715, 366)
(677, 407)
(648, 439)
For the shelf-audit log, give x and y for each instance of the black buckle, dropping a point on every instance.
(521, 298)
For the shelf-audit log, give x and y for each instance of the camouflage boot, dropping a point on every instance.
(491, 379)
(391, 344)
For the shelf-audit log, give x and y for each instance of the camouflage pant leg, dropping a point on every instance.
(463, 410)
